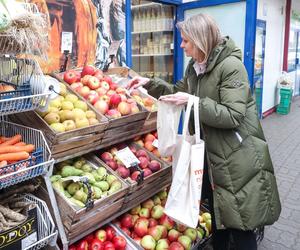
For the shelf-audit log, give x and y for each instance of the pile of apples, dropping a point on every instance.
(148, 165)
(105, 95)
(66, 112)
(145, 101)
(102, 239)
(149, 227)
(147, 140)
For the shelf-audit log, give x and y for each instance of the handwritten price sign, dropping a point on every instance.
(126, 156)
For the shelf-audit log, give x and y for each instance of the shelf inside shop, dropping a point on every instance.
(145, 55)
(150, 31)
(146, 5)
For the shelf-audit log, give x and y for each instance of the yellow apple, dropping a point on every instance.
(69, 125)
(67, 105)
(90, 114)
(79, 113)
(81, 122)
(66, 115)
(71, 98)
(58, 127)
(63, 89)
(93, 121)
(81, 105)
(55, 103)
(52, 118)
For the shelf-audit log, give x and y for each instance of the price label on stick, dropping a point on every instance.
(126, 156)
(155, 143)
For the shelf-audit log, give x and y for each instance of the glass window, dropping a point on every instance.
(292, 50)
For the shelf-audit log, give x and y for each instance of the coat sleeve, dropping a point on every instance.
(234, 93)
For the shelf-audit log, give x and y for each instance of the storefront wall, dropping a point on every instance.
(273, 12)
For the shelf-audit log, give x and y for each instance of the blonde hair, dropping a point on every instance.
(202, 31)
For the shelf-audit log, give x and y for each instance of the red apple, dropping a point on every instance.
(76, 85)
(101, 235)
(176, 246)
(113, 113)
(88, 70)
(113, 86)
(141, 227)
(152, 222)
(93, 83)
(181, 228)
(149, 137)
(143, 162)
(83, 91)
(135, 217)
(154, 166)
(101, 106)
(112, 164)
(106, 156)
(115, 99)
(124, 108)
(95, 244)
(162, 244)
(133, 149)
(93, 97)
(85, 79)
(173, 235)
(147, 172)
(143, 153)
(110, 232)
(82, 245)
(191, 233)
(108, 245)
(101, 91)
(89, 238)
(148, 204)
(167, 222)
(123, 172)
(70, 76)
(144, 212)
(119, 242)
(105, 85)
(110, 92)
(155, 232)
(157, 212)
(126, 221)
(105, 98)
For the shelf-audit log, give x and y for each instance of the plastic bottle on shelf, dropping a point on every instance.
(169, 19)
(148, 20)
(153, 19)
(159, 19)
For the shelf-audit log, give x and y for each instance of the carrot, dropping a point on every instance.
(4, 139)
(14, 149)
(3, 164)
(20, 144)
(13, 140)
(14, 156)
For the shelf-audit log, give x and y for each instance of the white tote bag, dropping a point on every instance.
(168, 116)
(183, 203)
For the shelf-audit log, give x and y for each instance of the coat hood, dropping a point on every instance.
(226, 48)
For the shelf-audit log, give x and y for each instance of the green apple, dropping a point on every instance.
(71, 97)
(81, 122)
(67, 105)
(90, 114)
(69, 125)
(93, 121)
(66, 115)
(55, 103)
(79, 113)
(63, 89)
(58, 127)
(52, 118)
(81, 105)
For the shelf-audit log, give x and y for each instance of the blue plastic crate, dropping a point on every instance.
(19, 176)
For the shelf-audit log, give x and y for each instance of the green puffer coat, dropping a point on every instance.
(245, 190)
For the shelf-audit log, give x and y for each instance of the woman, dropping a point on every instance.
(243, 192)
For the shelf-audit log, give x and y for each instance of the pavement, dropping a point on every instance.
(283, 136)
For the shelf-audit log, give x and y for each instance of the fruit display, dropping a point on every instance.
(144, 100)
(149, 227)
(101, 181)
(67, 112)
(147, 164)
(105, 238)
(148, 142)
(105, 95)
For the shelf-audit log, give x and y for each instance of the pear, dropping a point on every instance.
(80, 195)
(110, 179)
(73, 187)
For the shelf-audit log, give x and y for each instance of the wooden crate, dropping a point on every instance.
(76, 221)
(151, 184)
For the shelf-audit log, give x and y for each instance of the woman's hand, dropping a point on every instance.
(179, 98)
(136, 82)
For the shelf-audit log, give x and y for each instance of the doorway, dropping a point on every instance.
(297, 66)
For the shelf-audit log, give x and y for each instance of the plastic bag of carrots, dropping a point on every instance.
(12, 150)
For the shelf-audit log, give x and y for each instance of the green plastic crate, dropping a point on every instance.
(283, 110)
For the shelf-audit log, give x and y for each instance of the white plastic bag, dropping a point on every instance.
(168, 116)
(183, 203)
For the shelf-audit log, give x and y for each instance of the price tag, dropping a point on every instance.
(155, 143)
(126, 156)
(66, 41)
